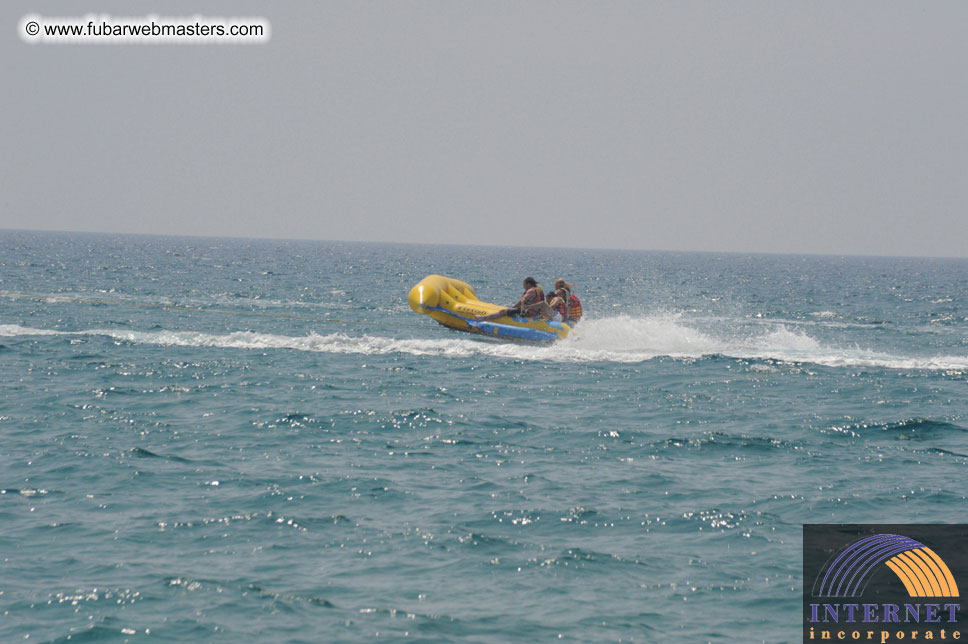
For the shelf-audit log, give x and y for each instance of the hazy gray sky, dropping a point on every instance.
(819, 127)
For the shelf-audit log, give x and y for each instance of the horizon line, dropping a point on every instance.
(467, 245)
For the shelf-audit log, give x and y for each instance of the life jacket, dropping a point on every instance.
(533, 308)
(574, 307)
(561, 308)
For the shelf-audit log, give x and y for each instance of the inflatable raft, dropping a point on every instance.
(453, 303)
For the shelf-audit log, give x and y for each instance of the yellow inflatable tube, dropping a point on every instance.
(453, 304)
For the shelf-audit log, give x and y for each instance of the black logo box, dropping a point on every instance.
(822, 542)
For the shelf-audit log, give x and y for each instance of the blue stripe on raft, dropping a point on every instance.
(516, 332)
(505, 330)
(554, 324)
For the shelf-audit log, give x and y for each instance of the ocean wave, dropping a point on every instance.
(621, 339)
(14, 330)
(628, 339)
(906, 429)
(235, 301)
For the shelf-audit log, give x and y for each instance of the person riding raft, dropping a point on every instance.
(532, 303)
(566, 302)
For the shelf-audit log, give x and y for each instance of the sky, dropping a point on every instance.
(787, 127)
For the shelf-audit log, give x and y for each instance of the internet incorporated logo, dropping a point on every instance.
(922, 572)
(907, 587)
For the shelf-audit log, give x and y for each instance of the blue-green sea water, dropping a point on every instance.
(220, 440)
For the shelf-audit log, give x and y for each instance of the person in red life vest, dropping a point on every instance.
(572, 304)
(532, 303)
(557, 303)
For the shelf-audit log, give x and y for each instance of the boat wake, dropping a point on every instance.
(621, 339)
(636, 339)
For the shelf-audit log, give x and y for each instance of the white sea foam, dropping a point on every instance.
(11, 330)
(621, 339)
(624, 339)
(628, 339)
(225, 300)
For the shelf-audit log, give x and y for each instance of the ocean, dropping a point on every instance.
(226, 440)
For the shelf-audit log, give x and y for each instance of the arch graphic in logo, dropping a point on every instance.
(919, 568)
